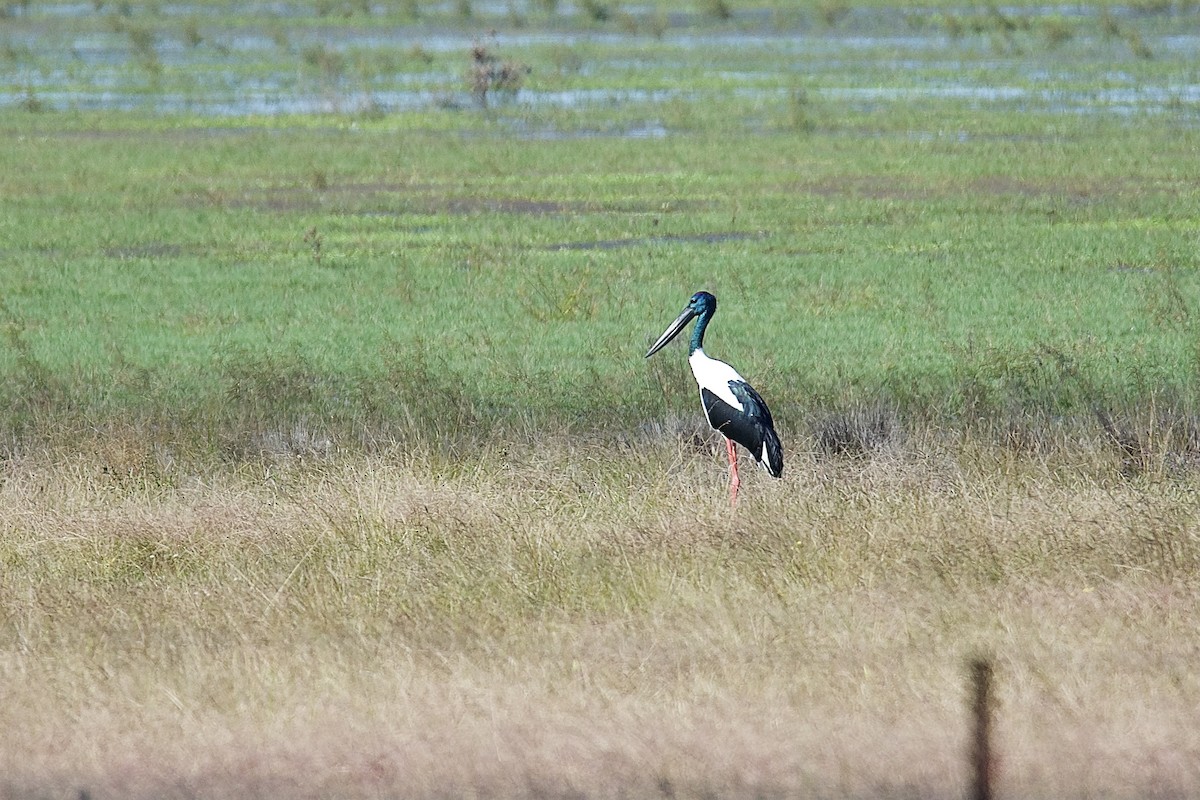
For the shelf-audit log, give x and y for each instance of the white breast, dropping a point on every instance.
(715, 376)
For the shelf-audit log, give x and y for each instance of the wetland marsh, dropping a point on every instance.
(332, 466)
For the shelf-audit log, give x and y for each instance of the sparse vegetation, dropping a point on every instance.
(1057, 31)
(14, 8)
(597, 10)
(279, 36)
(490, 76)
(832, 12)
(1137, 44)
(496, 605)
(1109, 27)
(802, 117)
(717, 9)
(31, 102)
(342, 8)
(312, 238)
(191, 35)
(329, 62)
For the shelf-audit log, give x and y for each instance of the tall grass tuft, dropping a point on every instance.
(862, 431)
(573, 618)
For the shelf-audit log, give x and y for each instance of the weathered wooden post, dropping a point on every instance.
(981, 734)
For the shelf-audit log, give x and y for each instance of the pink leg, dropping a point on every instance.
(734, 481)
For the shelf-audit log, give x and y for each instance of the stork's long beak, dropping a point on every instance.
(671, 332)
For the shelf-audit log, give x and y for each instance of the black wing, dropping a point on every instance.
(751, 426)
(752, 402)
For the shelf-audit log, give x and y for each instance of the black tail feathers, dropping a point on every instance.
(771, 456)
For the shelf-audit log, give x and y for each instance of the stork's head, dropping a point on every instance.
(702, 304)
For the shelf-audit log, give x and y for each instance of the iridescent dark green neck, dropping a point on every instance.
(698, 331)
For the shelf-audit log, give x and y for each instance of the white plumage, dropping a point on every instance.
(715, 376)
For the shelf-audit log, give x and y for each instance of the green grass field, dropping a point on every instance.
(332, 466)
(205, 274)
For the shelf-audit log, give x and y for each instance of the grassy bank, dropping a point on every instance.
(574, 622)
(364, 280)
(953, 216)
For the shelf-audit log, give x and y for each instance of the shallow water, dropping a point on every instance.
(63, 56)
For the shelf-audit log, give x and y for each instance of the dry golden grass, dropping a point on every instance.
(583, 622)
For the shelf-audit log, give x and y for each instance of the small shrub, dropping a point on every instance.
(141, 38)
(718, 9)
(31, 102)
(597, 11)
(1057, 31)
(420, 54)
(1109, 27)
(1137, 45)
(953, 25)
(566, 60)
(489, 75)
(833, 11)
(1156, 441)
(312, 238)
(1004, 23)
(330, 62)
(280, 38)
(13, 54)
(800, 111)
(191, 33)
(657, 24)
(857, 432)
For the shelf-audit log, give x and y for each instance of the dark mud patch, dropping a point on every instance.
(194, 133)
(149, 250)
(373, 197)
(879, 187)
(637, 241)
(472, 205)
(397, 199)
(867, 187)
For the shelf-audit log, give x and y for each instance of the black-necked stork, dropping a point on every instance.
(731, 405)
